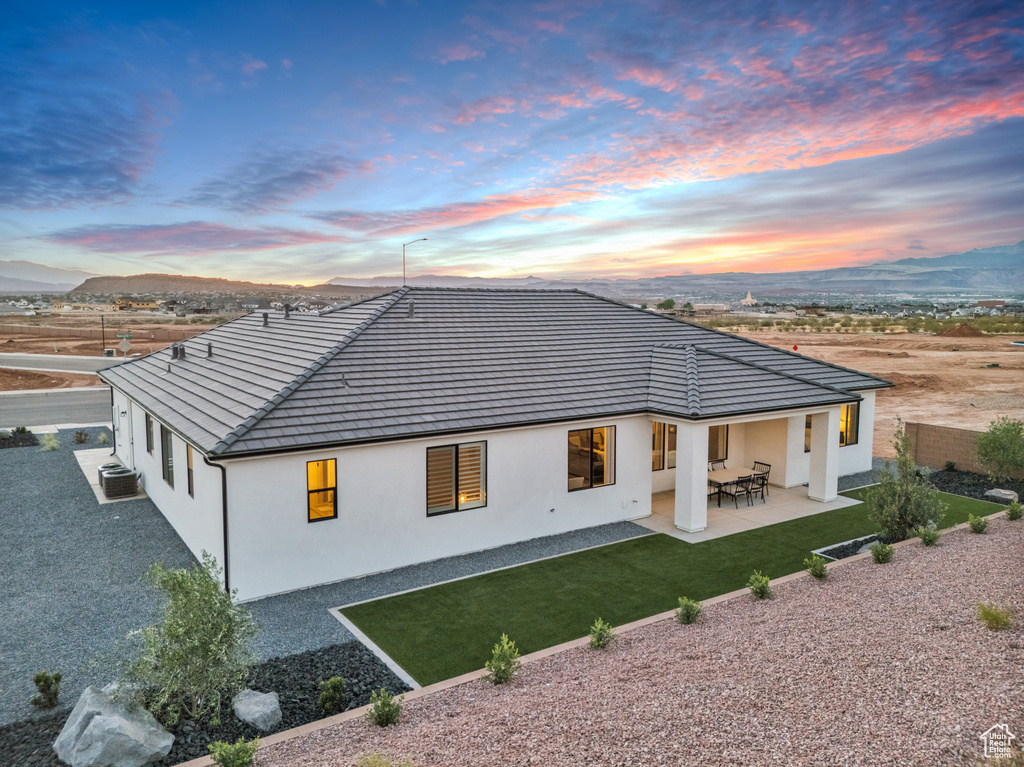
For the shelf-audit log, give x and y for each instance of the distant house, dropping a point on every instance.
(135, 304)
(427, 422)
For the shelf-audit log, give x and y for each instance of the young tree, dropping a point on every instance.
(667, 304)
(1001, 449)
(904, 500)
(198, 652)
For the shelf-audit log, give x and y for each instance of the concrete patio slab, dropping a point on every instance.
(89, 461)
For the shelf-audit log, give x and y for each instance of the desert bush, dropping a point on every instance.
(949, 466)
(817, 567)
(929, 535)
(689, 610)
(601, 635)
(21, 430)
(1013, 511)
(332, 695)
(882, 553)
(504, 662)
(49, 689)
(385, 709)
(49, 442)
(241, 753)
(1001, 449)
(379, 760)
(198, 653)
(977, 524)
(81, 437)
(760, 585)
(904, 500)
(103, 438)
(995, 617)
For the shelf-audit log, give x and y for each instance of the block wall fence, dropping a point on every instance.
(932, 446)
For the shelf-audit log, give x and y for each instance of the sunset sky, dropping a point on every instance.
(299, 141)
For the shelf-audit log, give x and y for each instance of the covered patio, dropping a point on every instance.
(782, 505)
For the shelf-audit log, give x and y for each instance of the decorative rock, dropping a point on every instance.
(260, 709)
(104, 732)
(1002, 496)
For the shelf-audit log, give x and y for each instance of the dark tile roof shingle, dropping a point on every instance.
(428, 360)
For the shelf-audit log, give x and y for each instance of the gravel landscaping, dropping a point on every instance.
(972, 485)
(295, 679)
(875, 666)
(9, 439)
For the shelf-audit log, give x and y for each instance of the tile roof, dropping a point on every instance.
(423, 361)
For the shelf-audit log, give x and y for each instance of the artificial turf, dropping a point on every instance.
(446, 630)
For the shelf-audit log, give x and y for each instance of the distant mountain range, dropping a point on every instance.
(999, 269)
(29, 277)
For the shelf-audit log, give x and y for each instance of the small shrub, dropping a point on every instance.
(238, 754)
(689, 610)
(379, 760)
(103, 438)
(929, 535)
(949, 466)
(1001, 449)
(995, 617)
(50, 442)
(903, 500)
(882, 553)
(49, 689)
(601, 635)
(817, 567)
(332, 695)
(81, 437)
(385, 709)
(977, 524)
(21, 430)
(760, 585)
(504, 662)
(1013, 511)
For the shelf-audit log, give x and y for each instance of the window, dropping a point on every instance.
(658, 446)
(849, 424)
(663, 446)
(591, 457)
(807, 434)
(149, 434)
(718, 443)
(456, 477)
(191, 475)
(322, 489)
(166, 456)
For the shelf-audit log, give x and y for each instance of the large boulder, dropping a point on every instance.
(260, 709)
(103, 731)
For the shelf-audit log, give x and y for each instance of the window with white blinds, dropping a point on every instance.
(456, 477)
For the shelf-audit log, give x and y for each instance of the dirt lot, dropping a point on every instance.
(934, 383)
(19, 380)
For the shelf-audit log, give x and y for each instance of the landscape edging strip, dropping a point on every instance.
(356, 713)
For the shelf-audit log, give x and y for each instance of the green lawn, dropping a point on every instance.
(447, 630)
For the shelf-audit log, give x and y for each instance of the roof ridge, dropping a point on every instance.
(693, 404)
(342, 307)
(261, 412)
(767, 369)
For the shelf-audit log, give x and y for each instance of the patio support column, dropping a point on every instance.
(692, 477)
(823, 482)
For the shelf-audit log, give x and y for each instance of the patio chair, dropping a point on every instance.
(763, 470)
(735, 489)
(756, 486)
(716, 465)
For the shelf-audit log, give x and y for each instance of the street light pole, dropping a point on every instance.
(421, 239)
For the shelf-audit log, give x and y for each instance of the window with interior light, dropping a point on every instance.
(663, 446)
(191, 473)
(322, 489)
(718, 443)
(591, 457)
(456, 477)
(166, 455)
(849, 424)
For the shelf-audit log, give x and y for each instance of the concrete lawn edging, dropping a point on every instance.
(472, 676)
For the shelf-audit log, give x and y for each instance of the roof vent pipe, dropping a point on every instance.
(412, 310)
(266, 319)
(287, 310)
(174, 351)
(181, 351)
(209, 350)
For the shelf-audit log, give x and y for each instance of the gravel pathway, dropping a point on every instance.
(851, 481)
(71, 584)
(879, 665)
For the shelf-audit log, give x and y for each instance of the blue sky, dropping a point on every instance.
(301, 141)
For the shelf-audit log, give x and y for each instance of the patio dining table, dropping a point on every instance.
(722, 477)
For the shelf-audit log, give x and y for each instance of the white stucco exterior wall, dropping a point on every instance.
(852, 458)
(382, 521)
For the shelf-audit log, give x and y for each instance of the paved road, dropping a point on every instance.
(64, 363)
(55, 406)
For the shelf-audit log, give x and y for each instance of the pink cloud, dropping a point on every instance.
(191, 238)
(252, 66)
(459, 52)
